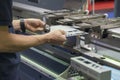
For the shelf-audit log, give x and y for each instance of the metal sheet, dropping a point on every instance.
(55, 4)
(115, 31)
(70, 31)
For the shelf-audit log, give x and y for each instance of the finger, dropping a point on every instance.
(42, 23)
(64, 37)
(62, 31)
(39, 29)
(31, 28)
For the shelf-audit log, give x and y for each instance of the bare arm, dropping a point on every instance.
(31, 24)
(13, 42)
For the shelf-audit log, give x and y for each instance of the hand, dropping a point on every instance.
(34, 24)
(56, 37)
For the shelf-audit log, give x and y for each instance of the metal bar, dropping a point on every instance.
(21, 6)
(38, 67)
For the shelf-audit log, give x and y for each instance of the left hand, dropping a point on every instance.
(34, 24)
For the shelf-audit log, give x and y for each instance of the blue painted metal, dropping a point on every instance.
(115, 73)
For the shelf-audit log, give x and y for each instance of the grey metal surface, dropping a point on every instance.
(47, 61)
(90, 68)
(28, 73)
(115, 31)
(108, 47)
(31, 8)
(54, 4)
(70, 31)
(108, 52)
(76, 4)
(46, 4)
(117, 8)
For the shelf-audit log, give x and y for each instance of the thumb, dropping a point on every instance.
(63, 32)
(40, 29)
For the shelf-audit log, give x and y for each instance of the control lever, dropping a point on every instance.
(46, 28)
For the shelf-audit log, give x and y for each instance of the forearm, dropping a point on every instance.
(10, 42)
(15, 42)
(29, 24)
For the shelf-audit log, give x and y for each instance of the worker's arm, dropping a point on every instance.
(31, 24)
(13, 42)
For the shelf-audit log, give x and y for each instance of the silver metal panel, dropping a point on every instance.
(90, 68)
(74, 4)
(70, 31)
(47, 4)
(54, 4)
(26, 7)
(115, 31)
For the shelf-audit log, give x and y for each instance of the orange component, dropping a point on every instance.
(101, 5)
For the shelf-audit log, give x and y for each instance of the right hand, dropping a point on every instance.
(56, 37)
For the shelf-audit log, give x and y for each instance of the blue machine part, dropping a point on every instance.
(110, 14)
(115, 73)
